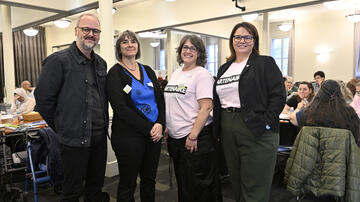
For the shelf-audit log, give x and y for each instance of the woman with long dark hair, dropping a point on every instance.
(329, 109)
(249, 94)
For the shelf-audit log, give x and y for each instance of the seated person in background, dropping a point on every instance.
(348, 96)
(329, 109)
(319, 77)
(356, 101)
(351, 85)
(289, 86)
(26, 85)
(295, 117)
(304, 96)
(22, 103)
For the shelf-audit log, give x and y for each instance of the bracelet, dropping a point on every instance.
(192, 139)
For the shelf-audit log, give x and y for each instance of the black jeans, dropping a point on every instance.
(84, 164)
(196, 173)
(136, 154)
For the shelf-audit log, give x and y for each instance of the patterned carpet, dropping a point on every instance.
(165, 191)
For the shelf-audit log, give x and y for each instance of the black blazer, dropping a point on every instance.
(127, 118)
(262, 94)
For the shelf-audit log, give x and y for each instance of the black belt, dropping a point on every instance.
(231, 109)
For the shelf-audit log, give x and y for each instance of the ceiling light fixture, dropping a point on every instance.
(154, 44)
(285, 27)
(154, 34)
(62, 23)
(113, 10)
(30, 31)
(170, 0)
(353, 18)
(338, 4)
(250, 17)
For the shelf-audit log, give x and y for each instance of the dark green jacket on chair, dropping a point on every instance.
(324, 161)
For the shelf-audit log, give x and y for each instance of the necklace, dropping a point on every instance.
(131, 69)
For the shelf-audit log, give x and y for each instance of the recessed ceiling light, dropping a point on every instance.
(170, 0)
(113, 10)
(353, 18)
(250, 17)
(285, 27)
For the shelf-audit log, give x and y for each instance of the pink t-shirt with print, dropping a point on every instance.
(182, 93)
(227, 86)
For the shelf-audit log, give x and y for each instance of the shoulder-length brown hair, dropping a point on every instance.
(132, 36)
(311, 87)
(200, 47)
(252, 30)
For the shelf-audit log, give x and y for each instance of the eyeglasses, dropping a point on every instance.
(191, 48)
(247, 38)
(86, 31)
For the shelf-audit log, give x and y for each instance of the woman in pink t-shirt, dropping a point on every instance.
(188, 101)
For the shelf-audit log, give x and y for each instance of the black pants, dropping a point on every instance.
(136, 154)
(84, 164)
(196, 173)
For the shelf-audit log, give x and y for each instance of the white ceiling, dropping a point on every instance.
(25, 13)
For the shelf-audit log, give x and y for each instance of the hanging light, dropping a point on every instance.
(113, 10)
(62, 23)
(353, 18)
(30, 31)
(285, 27)
(250, 17)
(154, 44)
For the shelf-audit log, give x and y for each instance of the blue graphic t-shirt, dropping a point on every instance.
(143, 96)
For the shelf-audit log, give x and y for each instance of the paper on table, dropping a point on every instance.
(284, 116)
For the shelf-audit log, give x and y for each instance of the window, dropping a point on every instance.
(280, 52)
(212, 60)
(282, 43)
(160, 56)
(212, 47)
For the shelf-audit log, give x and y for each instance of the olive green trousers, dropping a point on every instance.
(250, 160)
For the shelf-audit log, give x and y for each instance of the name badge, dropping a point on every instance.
(150, 84)
(127, 89)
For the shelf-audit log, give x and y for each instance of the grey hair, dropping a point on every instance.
(86, 14)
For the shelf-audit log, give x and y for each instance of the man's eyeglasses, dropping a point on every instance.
(191, 48)
(86, 30)
(247, 38)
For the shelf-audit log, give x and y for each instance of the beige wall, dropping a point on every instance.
(330, 30)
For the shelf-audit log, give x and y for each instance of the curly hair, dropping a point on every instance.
(200, 47)
(329, 109)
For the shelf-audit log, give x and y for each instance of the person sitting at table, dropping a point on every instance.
(22, 103)
(329, 109)
(26, 85)
(304, 96)
(291, 89)
(348, 96)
